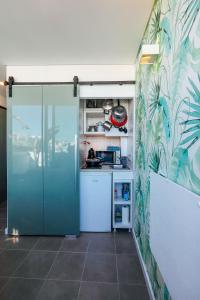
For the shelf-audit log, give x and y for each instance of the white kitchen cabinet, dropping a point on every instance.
(95, 201)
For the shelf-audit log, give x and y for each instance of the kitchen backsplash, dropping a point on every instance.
(97, 143)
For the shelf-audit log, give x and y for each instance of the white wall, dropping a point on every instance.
(85, 73)
(174, 236)
(67, 72)
(2, 88)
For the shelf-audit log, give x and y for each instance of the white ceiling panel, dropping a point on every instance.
(49, 32)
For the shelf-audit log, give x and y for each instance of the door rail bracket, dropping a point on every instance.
(10, 85)
(76, 81)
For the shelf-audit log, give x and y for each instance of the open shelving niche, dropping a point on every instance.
(94, 115)
(120, 201)
(101, 140)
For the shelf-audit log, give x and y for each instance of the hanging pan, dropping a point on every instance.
(118, 115)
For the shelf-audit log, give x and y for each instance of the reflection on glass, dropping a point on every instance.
(26, 138)
(59, 141)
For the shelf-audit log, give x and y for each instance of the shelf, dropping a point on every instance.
(122, 202)
(94, 110)
(121, 225)
(122, 186)
(117, 199)
(91, 118)
(115, 132)
(93, 133)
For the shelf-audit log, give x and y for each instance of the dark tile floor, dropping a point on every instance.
(92, 267)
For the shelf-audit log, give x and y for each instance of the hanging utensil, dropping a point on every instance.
(107, 106)
(119, 115)
(107, 125)
(123, 129)
(99, 127)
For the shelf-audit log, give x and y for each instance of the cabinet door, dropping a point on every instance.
(95, 198)
(61, 167)
(25, 182)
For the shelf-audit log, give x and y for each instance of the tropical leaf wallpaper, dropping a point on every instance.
(167, 114)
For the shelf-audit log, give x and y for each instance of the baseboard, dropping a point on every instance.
(146, 276)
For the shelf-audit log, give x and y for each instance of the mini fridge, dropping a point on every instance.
(95, 201)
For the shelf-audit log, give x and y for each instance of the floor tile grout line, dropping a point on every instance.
(113, 283)
(85, 261)
(62, 251)
(33, 248)
(23, 260)
(70, 252)
(61, 245)
(46, 277)
(72, 280)
(15, 270)
(38, 278)
(30, 249)
(9, 279)
(18, 249)
(117, 267)
(127, 254)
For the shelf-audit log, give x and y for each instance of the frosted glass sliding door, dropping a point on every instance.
(25, 172)
(61, 167)
(43, 164)
(2, 154)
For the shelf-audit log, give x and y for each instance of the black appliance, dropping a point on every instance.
(91, 154)
(92, 161)
(124, 161)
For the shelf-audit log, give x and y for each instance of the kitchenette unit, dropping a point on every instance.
(106, 160)
(70, 161)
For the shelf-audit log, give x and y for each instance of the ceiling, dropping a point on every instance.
(56, 32)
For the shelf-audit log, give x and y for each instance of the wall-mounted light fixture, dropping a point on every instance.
(148, 54)
(3, 83)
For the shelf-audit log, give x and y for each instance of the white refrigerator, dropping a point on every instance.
(95, 201)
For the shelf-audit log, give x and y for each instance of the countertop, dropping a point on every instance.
(105, 168)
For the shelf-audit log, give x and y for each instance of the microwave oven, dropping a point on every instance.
(107, 157)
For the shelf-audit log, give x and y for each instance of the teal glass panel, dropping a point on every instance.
(25, 175)
(2, 154)
(61, 164)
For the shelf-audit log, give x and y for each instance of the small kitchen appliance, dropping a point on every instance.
(106, 157)
(91, 154)
(117, 151)
(92, 161)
